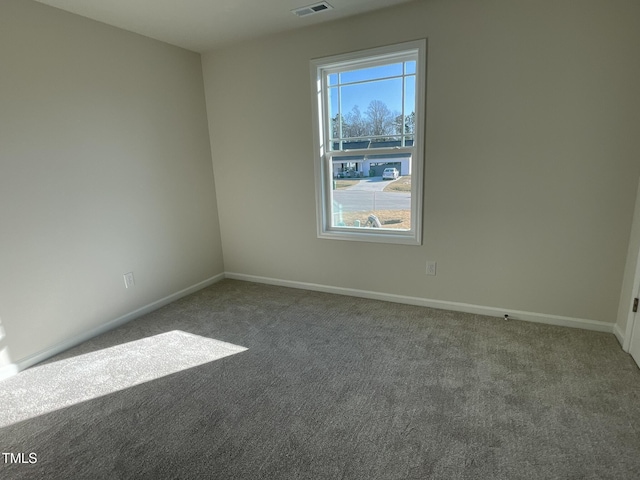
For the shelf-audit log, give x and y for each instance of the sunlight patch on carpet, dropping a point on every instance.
(52, 386)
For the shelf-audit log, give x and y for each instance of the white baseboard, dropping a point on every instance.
(38, 357)
(8, 371)
(444, 305)
(619, 335)
(12, 369)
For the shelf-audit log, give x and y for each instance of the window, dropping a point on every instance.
(369, 143)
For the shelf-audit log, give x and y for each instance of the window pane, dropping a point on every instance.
(386, 142)
(371, 73)
(372, 192)
(333, 79)
(371, 109)
(334, 113)
(410, 67)
(409, 104)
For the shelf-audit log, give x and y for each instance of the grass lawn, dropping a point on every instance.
(402, 184)
(345, 183)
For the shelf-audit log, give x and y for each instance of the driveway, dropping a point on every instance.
(368, 194)
(371, 184)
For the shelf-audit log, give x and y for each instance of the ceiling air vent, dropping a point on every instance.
(311, 9)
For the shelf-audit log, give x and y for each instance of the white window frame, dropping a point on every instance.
(323, 156)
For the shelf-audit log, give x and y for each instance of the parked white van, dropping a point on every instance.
(390, 174)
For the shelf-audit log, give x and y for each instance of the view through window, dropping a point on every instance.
(369, 144)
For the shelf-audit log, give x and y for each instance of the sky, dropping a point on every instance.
(382, 83)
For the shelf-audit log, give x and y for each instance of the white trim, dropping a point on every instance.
(556, 320)
(42, 355)
(632, 318)
(373, 57)
(8, 371)
(322, 132)
(14, 368)
(631, 315)
(619, 335)
(377, 151)
(372, 235)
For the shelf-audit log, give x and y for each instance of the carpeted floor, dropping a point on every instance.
(329, 387)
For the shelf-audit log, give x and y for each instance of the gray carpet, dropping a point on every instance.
(329, 387)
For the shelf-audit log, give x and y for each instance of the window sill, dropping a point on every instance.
(357, 235)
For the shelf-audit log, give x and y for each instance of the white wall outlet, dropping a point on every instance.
(431, 267)
(129, 280)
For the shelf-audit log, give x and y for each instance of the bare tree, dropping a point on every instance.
(337, 123)
(379, 118)
(357, 126)
(405, 125)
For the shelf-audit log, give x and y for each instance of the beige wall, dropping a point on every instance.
(531, 155)
(105, 168)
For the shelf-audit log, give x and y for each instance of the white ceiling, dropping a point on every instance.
(202, 25)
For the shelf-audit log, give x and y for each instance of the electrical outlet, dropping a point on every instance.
(431, 267)
(129, 280)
